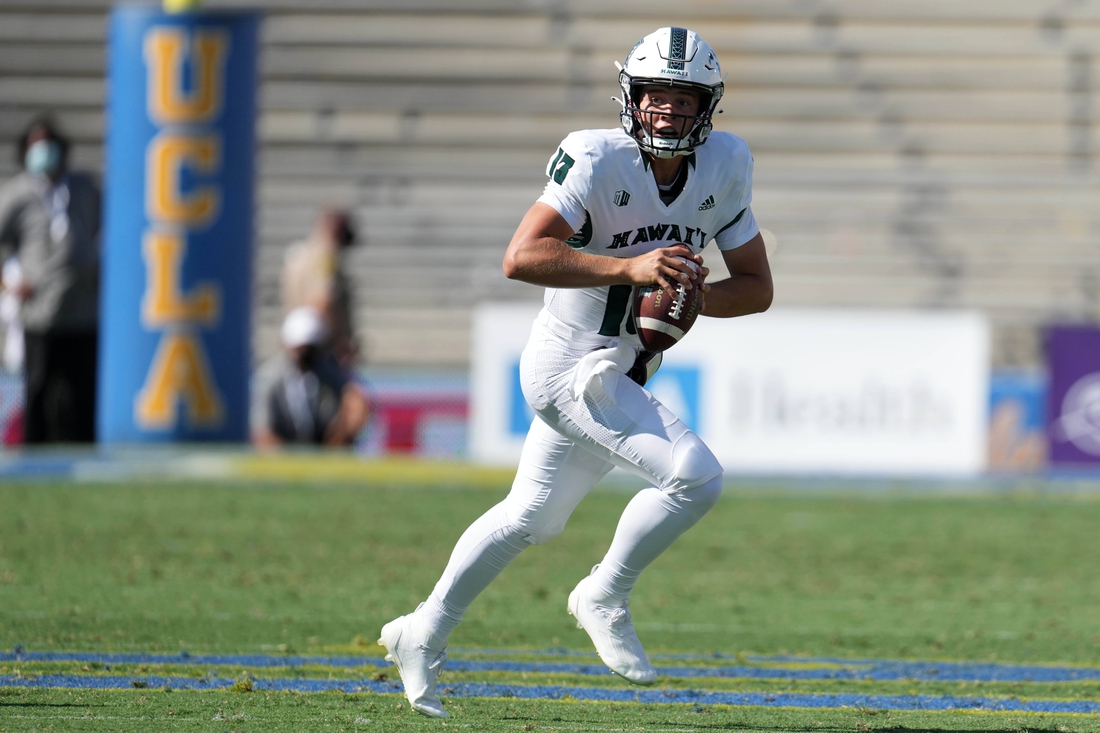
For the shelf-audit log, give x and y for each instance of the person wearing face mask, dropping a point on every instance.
(313, 275)
(301, 395)
(50, 222)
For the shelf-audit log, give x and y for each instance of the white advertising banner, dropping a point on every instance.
(790, 391)
(499, 416)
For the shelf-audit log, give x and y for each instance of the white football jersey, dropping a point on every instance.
(601, 183)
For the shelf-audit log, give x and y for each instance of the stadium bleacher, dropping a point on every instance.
(936, 154)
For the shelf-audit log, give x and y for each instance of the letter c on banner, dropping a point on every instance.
(169, 103)
(165, 202)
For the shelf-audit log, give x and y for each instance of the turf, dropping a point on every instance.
(304, 568)
(93, 711)
(217, 568)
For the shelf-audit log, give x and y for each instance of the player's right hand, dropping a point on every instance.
(667, 267)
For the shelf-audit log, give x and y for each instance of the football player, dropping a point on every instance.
(623, 207)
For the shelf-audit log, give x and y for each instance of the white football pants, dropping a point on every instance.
(571, 445)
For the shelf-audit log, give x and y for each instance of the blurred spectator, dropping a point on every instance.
(301, 395)
(1013, 446)
(50, 219)
(11, 278)
(313, 275)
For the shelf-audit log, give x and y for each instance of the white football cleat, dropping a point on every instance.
(613, 634)
(419, 664)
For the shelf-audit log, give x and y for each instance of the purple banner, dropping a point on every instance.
(1073, 403)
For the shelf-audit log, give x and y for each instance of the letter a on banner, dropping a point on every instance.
(180, 373)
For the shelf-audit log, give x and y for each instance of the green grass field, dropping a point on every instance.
(315, 569)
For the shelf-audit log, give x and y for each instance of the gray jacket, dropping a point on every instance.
(63, 270)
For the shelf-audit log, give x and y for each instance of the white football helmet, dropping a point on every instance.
(674, 57)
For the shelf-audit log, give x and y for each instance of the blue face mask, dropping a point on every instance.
(43, 157)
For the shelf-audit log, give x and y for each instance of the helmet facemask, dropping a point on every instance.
(638, 122)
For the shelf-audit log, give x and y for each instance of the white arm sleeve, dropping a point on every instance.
(738, 232)
(565, 203)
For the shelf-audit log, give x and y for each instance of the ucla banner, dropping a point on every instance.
(175, 355)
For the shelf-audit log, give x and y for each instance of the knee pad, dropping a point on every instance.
(694, 464)
(705, 495)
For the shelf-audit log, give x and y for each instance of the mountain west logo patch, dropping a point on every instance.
(622, 198)
(708, 204)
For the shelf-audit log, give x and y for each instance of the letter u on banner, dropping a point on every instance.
(165, 51)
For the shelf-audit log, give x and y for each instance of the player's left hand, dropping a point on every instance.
(700, 280)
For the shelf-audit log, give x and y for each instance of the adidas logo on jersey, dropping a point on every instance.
(708, 204)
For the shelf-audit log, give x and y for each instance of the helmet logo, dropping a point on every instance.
(677, 48)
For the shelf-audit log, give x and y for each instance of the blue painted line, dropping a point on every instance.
(556, 692)
(869, 670)
(214, 660)
(885, 671)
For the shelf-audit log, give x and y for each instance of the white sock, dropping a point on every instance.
(651, 522)
(484, 549)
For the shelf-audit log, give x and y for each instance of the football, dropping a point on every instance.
(662, 320)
